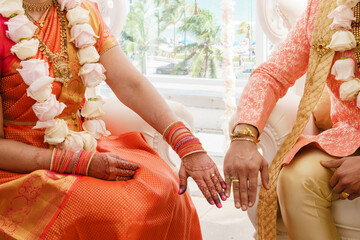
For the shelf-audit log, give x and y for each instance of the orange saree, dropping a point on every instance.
(47, 205)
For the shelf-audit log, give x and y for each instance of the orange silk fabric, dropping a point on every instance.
(147, 207)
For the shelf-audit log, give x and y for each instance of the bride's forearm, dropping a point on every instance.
(22, 158)
(135, 91)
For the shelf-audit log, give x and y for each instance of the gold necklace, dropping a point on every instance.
(38, 23)
(60, 60)
(37, 7)
(355, 25)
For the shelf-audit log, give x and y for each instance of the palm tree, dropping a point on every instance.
(158, 5)
(173, 13)
(244, 27)
(136, 42)
(204, 53)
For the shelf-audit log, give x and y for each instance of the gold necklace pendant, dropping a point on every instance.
(61, 69)
(60, 60)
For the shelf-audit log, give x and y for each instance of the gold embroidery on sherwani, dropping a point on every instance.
(318, 71)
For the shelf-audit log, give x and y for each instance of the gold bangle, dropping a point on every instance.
(246, 132)
(52, 158)
(88, 166)
(243, 139)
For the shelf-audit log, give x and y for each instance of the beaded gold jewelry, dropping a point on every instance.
(37, 7)
(356, 31)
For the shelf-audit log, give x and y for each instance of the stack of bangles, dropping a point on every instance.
(244, 135)
(180, 138)
(61, 159)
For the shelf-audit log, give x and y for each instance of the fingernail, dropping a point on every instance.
(223, 198)
(212, 203)
(250, 204)
(237, 205)
(180, 191)
(227, 195)
(219, 205)
(224, 186)
(244, 207)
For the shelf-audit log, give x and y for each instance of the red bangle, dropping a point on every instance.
(60, 160)
(179, 137)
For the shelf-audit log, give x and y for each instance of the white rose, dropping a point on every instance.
(88, 55)
(73, 142)
(20, 27)
(93, 108)
(56, 134)
(348, 3)
(358, 101)
(349, 90)
(47, 124)
(344, 69)
(10, 8)
(49, 109)
(25, 49)
(33, 70)
(343, 16)
(90, 142)
(69, 4)
(92, 74)
(96, 127)
(77, 15)
(342, 41)
(41, 89)
(83, 35)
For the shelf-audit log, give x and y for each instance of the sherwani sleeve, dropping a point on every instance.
(271, 80)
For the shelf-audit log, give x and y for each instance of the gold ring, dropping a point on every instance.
(235, 180)
(212, 175)
(345, 195)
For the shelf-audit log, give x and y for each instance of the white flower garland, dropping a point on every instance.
(35, 74)
(343, 40)
(228, 68)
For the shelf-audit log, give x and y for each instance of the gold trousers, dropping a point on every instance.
(305, 197)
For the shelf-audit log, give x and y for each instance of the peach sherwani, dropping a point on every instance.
(288, 63)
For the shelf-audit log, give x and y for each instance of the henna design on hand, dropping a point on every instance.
(198, 164)
(205, 191)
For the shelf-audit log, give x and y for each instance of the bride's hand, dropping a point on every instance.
(109, 166)
(206, 175)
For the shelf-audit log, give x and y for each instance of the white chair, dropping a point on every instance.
(345, 212)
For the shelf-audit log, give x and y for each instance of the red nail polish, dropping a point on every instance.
(219, 205)
(224, 186)
(212, 203)
(180, 191)
(223, 198)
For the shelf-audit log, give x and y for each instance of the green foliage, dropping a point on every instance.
(204, 54)
(177, 16)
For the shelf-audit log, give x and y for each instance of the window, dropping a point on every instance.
(183, 37)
